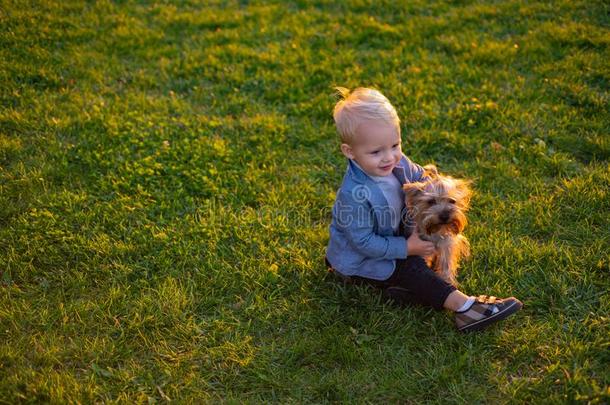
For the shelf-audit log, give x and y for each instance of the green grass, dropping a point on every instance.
(167, 172)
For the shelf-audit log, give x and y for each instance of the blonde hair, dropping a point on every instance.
(362, 104)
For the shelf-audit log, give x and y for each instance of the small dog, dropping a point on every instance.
(438, 207)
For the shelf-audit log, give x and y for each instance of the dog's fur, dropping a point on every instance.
(438, 207)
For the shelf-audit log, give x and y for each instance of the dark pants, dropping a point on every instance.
(412, 283)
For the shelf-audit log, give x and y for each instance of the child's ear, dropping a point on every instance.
(347, 151)
(413, 190)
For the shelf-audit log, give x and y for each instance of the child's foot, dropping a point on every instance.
(485, 311)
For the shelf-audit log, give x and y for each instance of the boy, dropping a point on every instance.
(365, 245)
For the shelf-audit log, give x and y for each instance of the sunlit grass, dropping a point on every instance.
(167, 172)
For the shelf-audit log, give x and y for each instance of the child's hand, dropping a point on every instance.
(418, 247)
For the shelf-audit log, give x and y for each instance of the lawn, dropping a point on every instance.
(167, 171)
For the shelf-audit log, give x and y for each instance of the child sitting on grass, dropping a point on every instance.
(365, 244)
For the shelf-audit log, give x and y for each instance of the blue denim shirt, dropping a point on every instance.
(362, 241)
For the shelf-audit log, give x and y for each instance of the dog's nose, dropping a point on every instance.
(444, 216)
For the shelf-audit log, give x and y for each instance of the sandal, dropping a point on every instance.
(484, 311)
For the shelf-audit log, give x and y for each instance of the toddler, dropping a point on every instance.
(372, 240)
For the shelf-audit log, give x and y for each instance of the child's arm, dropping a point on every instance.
(355, 219)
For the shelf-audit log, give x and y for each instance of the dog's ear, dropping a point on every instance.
(413, 190)
(431, 171)
(465, 192)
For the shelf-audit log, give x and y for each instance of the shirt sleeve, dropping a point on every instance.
(413, 171)
(355, 219)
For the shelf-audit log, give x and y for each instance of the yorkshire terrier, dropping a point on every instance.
(438, 207)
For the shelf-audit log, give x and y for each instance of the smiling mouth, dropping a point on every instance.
(387, 167)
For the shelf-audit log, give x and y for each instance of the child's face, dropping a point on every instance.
(376, 148)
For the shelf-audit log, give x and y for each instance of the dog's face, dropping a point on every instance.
(440, 204)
